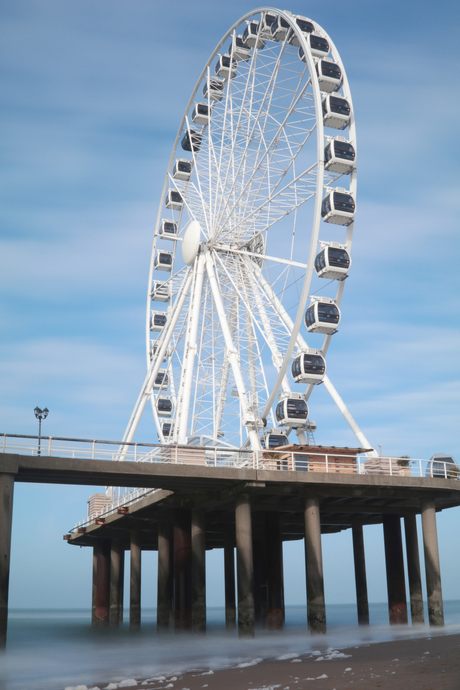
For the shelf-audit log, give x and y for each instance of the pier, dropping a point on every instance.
(187, 502)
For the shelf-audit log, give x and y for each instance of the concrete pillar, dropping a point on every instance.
(115, 567)
(394, 560)
(360, 575)
(182, 570)
(432, 564)
(93, 590)
(275, 581)
(413, 570)
(229, 578)
(135, 582)
(244, 566)
(316, 608)
(198, 570)
(121, 590)
(259, 558)
(6, 519)
(102, 584)
(165, 572)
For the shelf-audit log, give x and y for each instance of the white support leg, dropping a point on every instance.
(249, 419)
(343, 409)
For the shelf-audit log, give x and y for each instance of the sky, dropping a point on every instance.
(93, 93)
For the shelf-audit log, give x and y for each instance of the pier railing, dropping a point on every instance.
(209, 456)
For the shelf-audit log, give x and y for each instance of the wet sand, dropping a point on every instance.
(425, 663)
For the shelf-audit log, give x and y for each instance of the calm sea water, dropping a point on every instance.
(53, 649)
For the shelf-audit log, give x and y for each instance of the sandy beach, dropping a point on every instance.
(425, 663)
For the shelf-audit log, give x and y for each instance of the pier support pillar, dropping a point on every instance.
(394, 560)
(121, 589)
(115, 570)
(135, 582)
(316, 608)
(244, 566)
(260, 561)
(413, 570)
(198, 535)
(6, 518)
(182, 570)
(102, 594)
(360, 575)
(93, 590)
(165, 572)
(275, 580)
(432, 564)
(229, 579)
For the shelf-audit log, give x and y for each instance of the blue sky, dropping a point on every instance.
(93, 92)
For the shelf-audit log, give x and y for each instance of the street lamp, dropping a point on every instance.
(40, 414)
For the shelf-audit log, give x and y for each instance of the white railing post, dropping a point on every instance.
(135, 453)
(215, 457)
(92, 451)
(327, 464)
(391, 467)
(420, 467)
(4, 442)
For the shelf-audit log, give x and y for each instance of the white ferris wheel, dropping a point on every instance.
(252, 240)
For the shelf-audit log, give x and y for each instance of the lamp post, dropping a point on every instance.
(40, 414)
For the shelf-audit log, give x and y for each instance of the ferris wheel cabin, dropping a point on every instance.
(319, 46)
(336, 112)
(163, 261)
(251, 36)
(339, 156)
(174, 200)
(333, 262)
(214, 89)
(226, 67)
(164, 406)
(166, 429)
(239, 50)
(305, 25)
(158, 320)
(266, 24)
(275, 438)
(329, 75)
(161, 380)
(167, 230)
(279, 28)
(182, 169)
(201, 114)
(309, 367)
(191, 141)
(160, 291)
(338, 207)
(153, 350)
(292, 410)
(323, 316)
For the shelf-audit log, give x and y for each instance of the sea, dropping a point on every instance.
(57, 649)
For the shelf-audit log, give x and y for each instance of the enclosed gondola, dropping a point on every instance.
(309, 367)
(239, 50)
(191, 141)
(163, 261)
(275, 438)
(251, 36)
(166, 430)
(329, 75)
(338, 207)
(226, 67)
(158, 320)
(319, 46)
(154, 349)
(160, 291)
(292, 410)
(182, 169)
(161, 380)
(214, 89)
(201, 114)
(322, 316)
(333, 262)
(339, 156)
(336, 112)
(266, 24)
(174, 200)
(305, 25)
(279, 28)
(442, 466)
(167, 230)
(164, 406)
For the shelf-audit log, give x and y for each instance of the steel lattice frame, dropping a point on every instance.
(234, 317)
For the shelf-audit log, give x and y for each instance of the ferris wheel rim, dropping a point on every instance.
(318, 194)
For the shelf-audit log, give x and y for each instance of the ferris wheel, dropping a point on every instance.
(252, 240)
